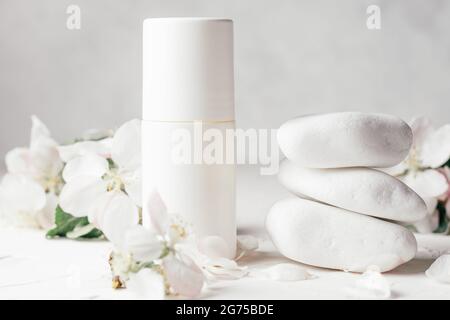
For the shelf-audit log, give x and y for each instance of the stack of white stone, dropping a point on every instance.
(339, 217)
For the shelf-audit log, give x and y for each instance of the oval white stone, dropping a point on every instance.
(330, 237)
(347, 139)
(362, 190)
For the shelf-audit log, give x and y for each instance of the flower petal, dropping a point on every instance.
(429, 224)
(397, 170)
(445, 171)
(214, 247)
(38, 163)
(80, 194)
(223, 269)
(46, 162)
(431, 204)
(21, 194)
(147, 284)
(126, 146)
(370, 285)
(143, 244)
(436, 149)
(157, 212)
(286, 272)
(428, 183)
(248, 243)
(89, 165)
(97, 134)
(184, 277)
(101, 148)
(18, 161)
(40, 135)
(46, 217)
(422, 129)
(115, 213)
(447, 208)
(133, 185)
(440, 269)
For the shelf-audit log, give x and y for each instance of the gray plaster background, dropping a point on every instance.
(292, 57)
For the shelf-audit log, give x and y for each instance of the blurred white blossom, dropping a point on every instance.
(420, 170)
(29, 191)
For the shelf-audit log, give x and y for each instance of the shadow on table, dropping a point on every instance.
(412, 267)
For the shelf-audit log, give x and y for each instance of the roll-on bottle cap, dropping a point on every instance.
(188, 70)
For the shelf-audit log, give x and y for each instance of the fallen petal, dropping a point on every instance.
(370, 285)
(286, 272)
(223, 269)
(440, 269)
(248, 243)
(213, 247)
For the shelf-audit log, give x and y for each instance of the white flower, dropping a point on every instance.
(182, 273)
(107, 192)
(159, 248)
(430, 150)
(29, 190)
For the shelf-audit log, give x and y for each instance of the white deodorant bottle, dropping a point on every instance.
(188, 99)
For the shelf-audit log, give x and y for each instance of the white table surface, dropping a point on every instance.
(32, 267)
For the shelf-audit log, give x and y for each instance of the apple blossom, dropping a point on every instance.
(29, 191)
(430, 150)
(160, 248)
(108, 192)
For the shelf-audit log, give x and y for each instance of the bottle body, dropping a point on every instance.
(201, 194)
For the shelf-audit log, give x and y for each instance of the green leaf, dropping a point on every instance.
(80, 231)
(68, 226)
(94, 234)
